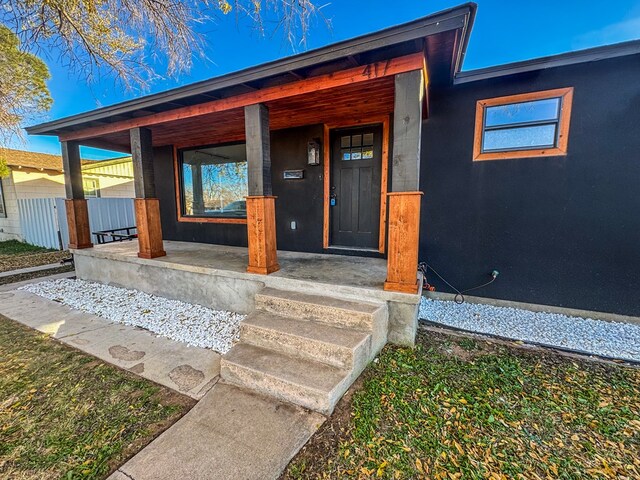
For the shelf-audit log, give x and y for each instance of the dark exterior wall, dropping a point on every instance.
(299, 200)
(562, 231)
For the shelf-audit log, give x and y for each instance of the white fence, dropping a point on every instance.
(39, 221)
(44, 220)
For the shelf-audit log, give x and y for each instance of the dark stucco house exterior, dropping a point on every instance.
(381, 147)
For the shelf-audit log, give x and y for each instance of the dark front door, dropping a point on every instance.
(356, 155)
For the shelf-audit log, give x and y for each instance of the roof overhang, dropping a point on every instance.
(443, 36)
(571, 58)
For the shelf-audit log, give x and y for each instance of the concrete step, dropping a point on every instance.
(338, 346)
(320, 308)
(310, 384)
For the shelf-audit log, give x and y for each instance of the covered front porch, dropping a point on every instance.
(269, 168)
(216, 276)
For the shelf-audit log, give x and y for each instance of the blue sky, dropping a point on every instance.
(503, 32)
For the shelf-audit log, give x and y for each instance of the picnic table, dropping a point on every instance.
(115, 235)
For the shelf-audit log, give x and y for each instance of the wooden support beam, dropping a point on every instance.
(404, 235)
(261, 210)
(261, 233)
(99, 143)
(256, 122)
(404, 201)
(78, 221)
(76, 205)
(149, 228)
(142, 159)
(407, 131)
(147, 207)
(72, 168)
(349, 76)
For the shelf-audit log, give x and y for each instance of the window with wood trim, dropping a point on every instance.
(213, 182)
(529, 125)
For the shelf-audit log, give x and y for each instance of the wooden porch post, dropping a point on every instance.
(198, 195)
(405, 197)
(261, 210)
(147, 207)
(76, 205)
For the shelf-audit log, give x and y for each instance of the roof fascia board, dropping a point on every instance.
(561, 60)
(450, 19)
(465, 36)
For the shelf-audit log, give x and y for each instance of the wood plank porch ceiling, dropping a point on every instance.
(354, 102)
(353, 93)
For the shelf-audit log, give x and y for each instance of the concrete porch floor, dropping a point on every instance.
(352, 271)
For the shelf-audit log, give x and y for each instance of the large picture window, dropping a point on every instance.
(213, 182)
(529, 125)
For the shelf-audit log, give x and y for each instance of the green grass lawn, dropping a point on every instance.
(16, 255)
(457, 408)
(14, 247)
(65, 414)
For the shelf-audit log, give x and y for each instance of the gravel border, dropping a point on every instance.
(194, 325)
(31, 259)
(597, 337)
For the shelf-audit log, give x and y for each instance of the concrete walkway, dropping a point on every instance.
(39, 268)
(8, 287)
(230, 434)
(189, 370)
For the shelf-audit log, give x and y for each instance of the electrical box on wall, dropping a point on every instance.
(313, 152)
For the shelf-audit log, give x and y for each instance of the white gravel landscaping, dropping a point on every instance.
(194, 325)
(609, 339)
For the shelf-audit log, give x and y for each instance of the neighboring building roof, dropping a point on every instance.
(47, 161)
(24, 159)
(106, 163)
(561, 60)
(446, 54)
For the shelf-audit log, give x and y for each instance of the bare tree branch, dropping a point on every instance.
(124, 39)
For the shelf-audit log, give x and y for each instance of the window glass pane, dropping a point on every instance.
(91, 188)
(367, 139)
(521, 137)
(367, 153)
(356, 140)
(214, 181)
(346, 154)
(538, 110)
(356, 154)
(345, 142)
